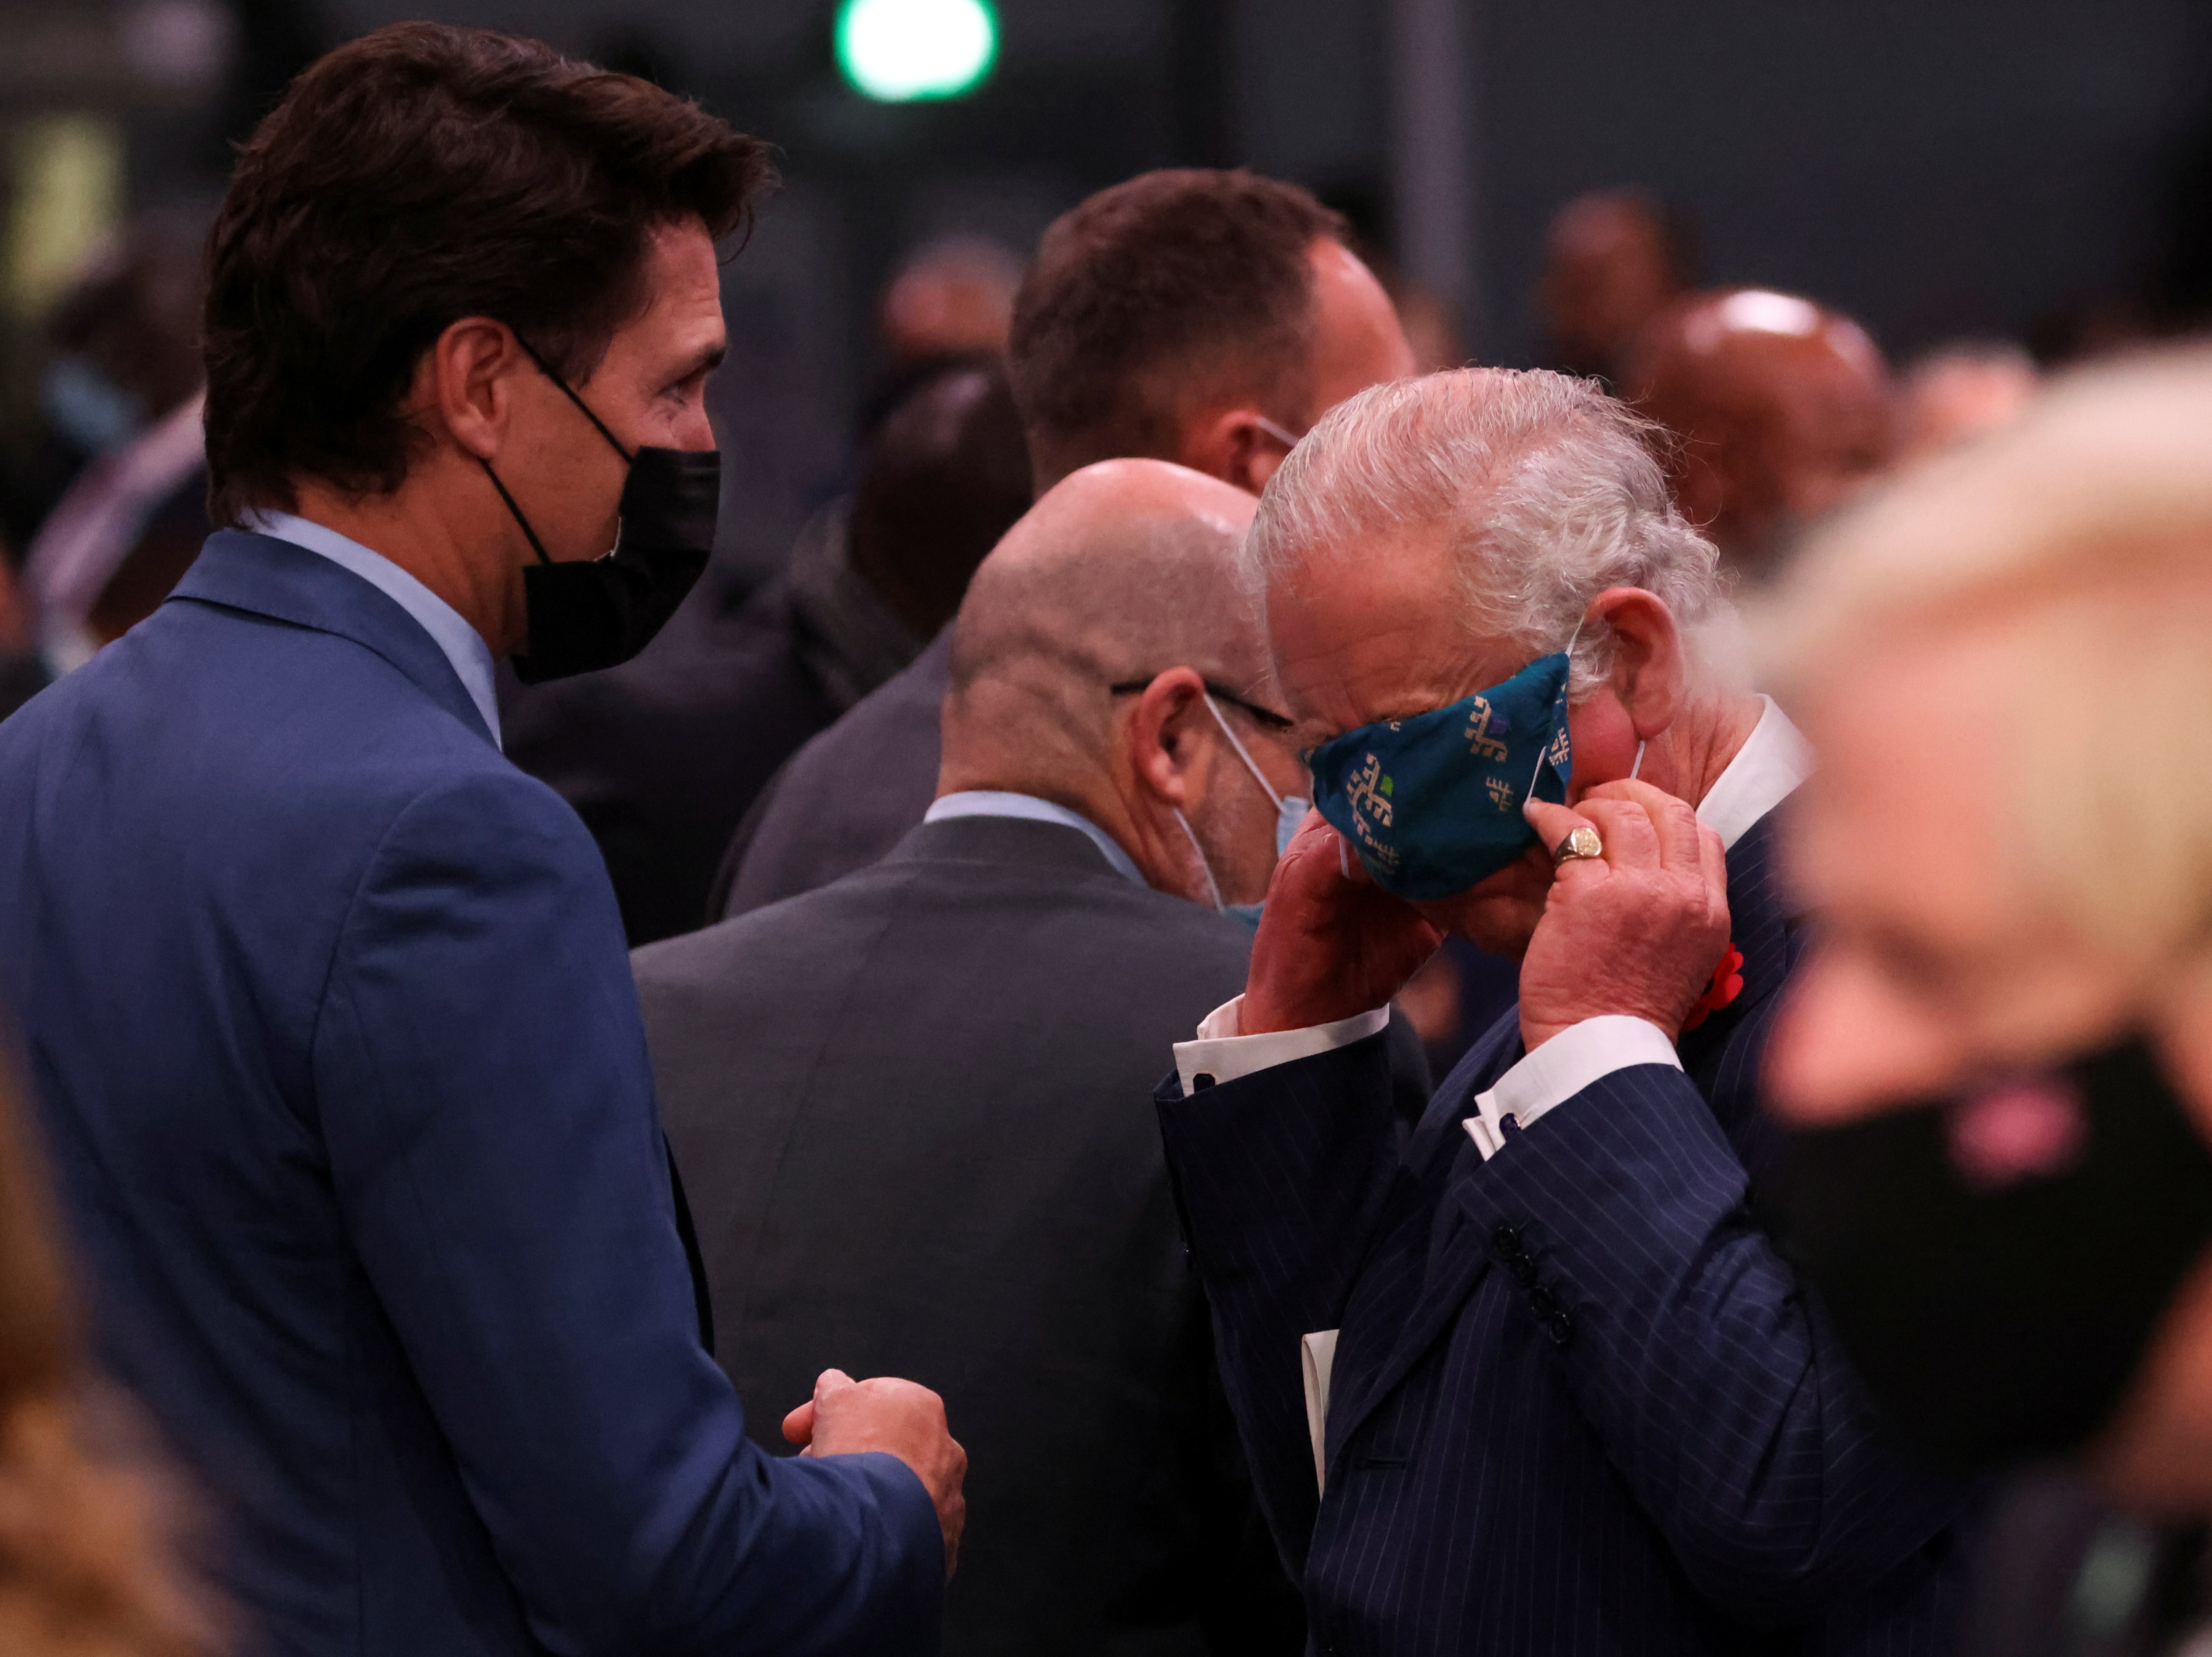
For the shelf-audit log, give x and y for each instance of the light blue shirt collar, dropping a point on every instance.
(464, 645)
(993, 802)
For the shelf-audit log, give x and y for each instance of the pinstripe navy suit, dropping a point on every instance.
(1578, 1404)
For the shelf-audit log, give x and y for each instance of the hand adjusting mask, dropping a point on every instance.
(1432, 803)
(600, 612)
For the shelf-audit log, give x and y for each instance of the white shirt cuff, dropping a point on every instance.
(1577, 1056)
(1222, 1054)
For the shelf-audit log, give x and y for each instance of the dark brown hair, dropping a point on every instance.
(1178, 282)
(414, 177)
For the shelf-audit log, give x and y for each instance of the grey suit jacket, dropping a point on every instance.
(844, 799)
(913, 1112)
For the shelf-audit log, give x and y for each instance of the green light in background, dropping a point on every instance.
(897, 50)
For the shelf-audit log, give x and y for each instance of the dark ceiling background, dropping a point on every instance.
(1941, 167)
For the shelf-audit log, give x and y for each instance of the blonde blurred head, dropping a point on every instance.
(88, 1560)
(2084, 532)
(2006, 663)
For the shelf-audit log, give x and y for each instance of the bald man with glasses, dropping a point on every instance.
(912, 1106)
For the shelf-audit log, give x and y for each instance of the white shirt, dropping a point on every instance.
(463, 645)
(1772, 762)
(995, 803)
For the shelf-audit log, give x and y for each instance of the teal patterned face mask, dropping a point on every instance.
(1432, 803)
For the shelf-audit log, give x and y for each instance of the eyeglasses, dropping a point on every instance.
(1268, 716)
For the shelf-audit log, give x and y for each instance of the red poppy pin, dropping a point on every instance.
(1727, 984)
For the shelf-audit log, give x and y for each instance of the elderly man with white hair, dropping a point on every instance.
(1532, 1381)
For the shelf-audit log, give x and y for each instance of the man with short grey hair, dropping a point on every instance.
(1533, 1381)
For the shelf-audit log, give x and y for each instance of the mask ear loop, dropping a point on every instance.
(1213, 886)
(569, 391)
(545, 368)
(1242, 753)
(1569, 653)
(530, 534)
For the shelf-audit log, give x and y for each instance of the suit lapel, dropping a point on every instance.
(1419, 1221)
(269, 577)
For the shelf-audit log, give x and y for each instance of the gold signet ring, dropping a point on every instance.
(1583, 843)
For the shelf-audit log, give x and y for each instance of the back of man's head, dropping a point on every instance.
(1171, 291)
(412, 178)
(1124, 569)
(1784, 407)
(1612, 259)
(942, 478)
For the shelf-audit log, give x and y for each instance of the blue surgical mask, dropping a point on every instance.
(1432, 804)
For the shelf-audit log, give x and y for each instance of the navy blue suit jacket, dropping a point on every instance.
(1578, 1404)
(347, 1093)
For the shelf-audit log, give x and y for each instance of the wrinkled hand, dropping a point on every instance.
(1332, 943)
(1638, 931)
(899, 1417)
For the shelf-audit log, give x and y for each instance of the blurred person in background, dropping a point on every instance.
(118, 541)
(331, 1018)
(1954, 394)
(1784, 410)
(910, 1104)
(124, 352)
(662, 756)
(1612, 260)
(1201, 317)
(1999, 1057)
(123, 389)
(950, 297)
(1531, 1381)
(93, 1539)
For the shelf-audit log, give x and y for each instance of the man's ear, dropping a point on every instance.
(1162, 738)
(462, 385)
(1650, 673)
(1235, 446)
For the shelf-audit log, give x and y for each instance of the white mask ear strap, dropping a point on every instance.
(1242, 753)
(1547, 753)
(1638, 766)
(1213, 886)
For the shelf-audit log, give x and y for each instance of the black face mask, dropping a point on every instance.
(1998, 1263)
(600, 612)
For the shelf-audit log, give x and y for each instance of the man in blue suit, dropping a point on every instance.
(1529, 1380)
(328, 1006)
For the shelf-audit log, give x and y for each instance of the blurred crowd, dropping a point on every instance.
(1668, 891)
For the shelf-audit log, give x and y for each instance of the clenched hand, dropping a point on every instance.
(849, 1417)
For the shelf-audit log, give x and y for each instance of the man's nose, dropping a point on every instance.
(694, 432)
